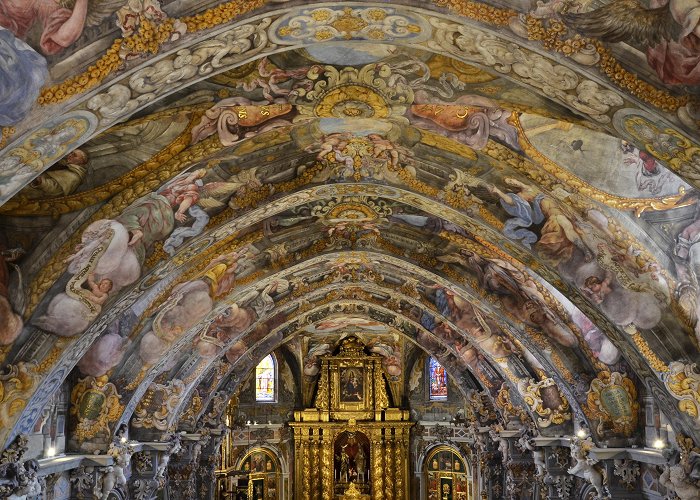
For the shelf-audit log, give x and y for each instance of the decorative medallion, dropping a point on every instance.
(667, 145)
(326, 24)
(374, 91)
(155, 407)
(613, 399)
(545, 399)
(95, 403)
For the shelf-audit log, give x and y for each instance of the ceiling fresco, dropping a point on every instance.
(186, 187)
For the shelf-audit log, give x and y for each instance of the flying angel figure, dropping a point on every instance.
(670, 32)
(195, 197)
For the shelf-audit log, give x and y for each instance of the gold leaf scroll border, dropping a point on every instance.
(149, 38)
(66, 204)
(639, 205)
(552, 38)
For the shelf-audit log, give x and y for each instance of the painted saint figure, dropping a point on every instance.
(351, 390)
(59, 26)
(529, 207)
(10, 323)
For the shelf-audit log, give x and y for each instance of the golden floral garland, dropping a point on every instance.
(148, 39)
(5, 133)
(478, 11)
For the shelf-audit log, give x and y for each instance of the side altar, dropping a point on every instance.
(352, 439)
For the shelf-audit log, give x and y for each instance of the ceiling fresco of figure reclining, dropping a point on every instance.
(185, 188)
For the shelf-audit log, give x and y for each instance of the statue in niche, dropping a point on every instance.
(344, 465)
(360, 461)
(527, 442)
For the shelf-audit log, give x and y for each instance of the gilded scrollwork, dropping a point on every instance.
(504, 402)
(95, 403)
(546, 401)
(373, 91)
(325, 24)
(154, 409)
(683, 382)
(612, 398)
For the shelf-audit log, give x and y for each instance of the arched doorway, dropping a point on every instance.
(448, 475)
(262, 476)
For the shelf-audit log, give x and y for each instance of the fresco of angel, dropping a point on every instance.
(669, 30)
(59, 26)
(252, 306)
(518, 292)
(112, 252)
(192, 196)
(466, 317)
(559, 236)
(189, 303)
(624, 307)
(103, 263)
(105, 353)
(22, 74)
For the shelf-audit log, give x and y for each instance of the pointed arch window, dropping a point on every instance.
(437, 381)
(266, 380)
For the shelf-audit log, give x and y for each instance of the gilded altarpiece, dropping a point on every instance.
(351, 444)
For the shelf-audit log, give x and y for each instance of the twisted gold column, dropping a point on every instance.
(377, 465)
(401, 443)
(306, 467)
(315, 471)
(327, 464)
(389, 451)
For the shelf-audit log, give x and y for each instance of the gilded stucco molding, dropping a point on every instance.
(146, 84)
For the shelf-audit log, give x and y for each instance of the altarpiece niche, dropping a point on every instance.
(352, 443)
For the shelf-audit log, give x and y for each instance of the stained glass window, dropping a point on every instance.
(438, 380)
(265, 379)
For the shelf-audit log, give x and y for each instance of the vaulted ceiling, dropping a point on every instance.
(505, 188)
